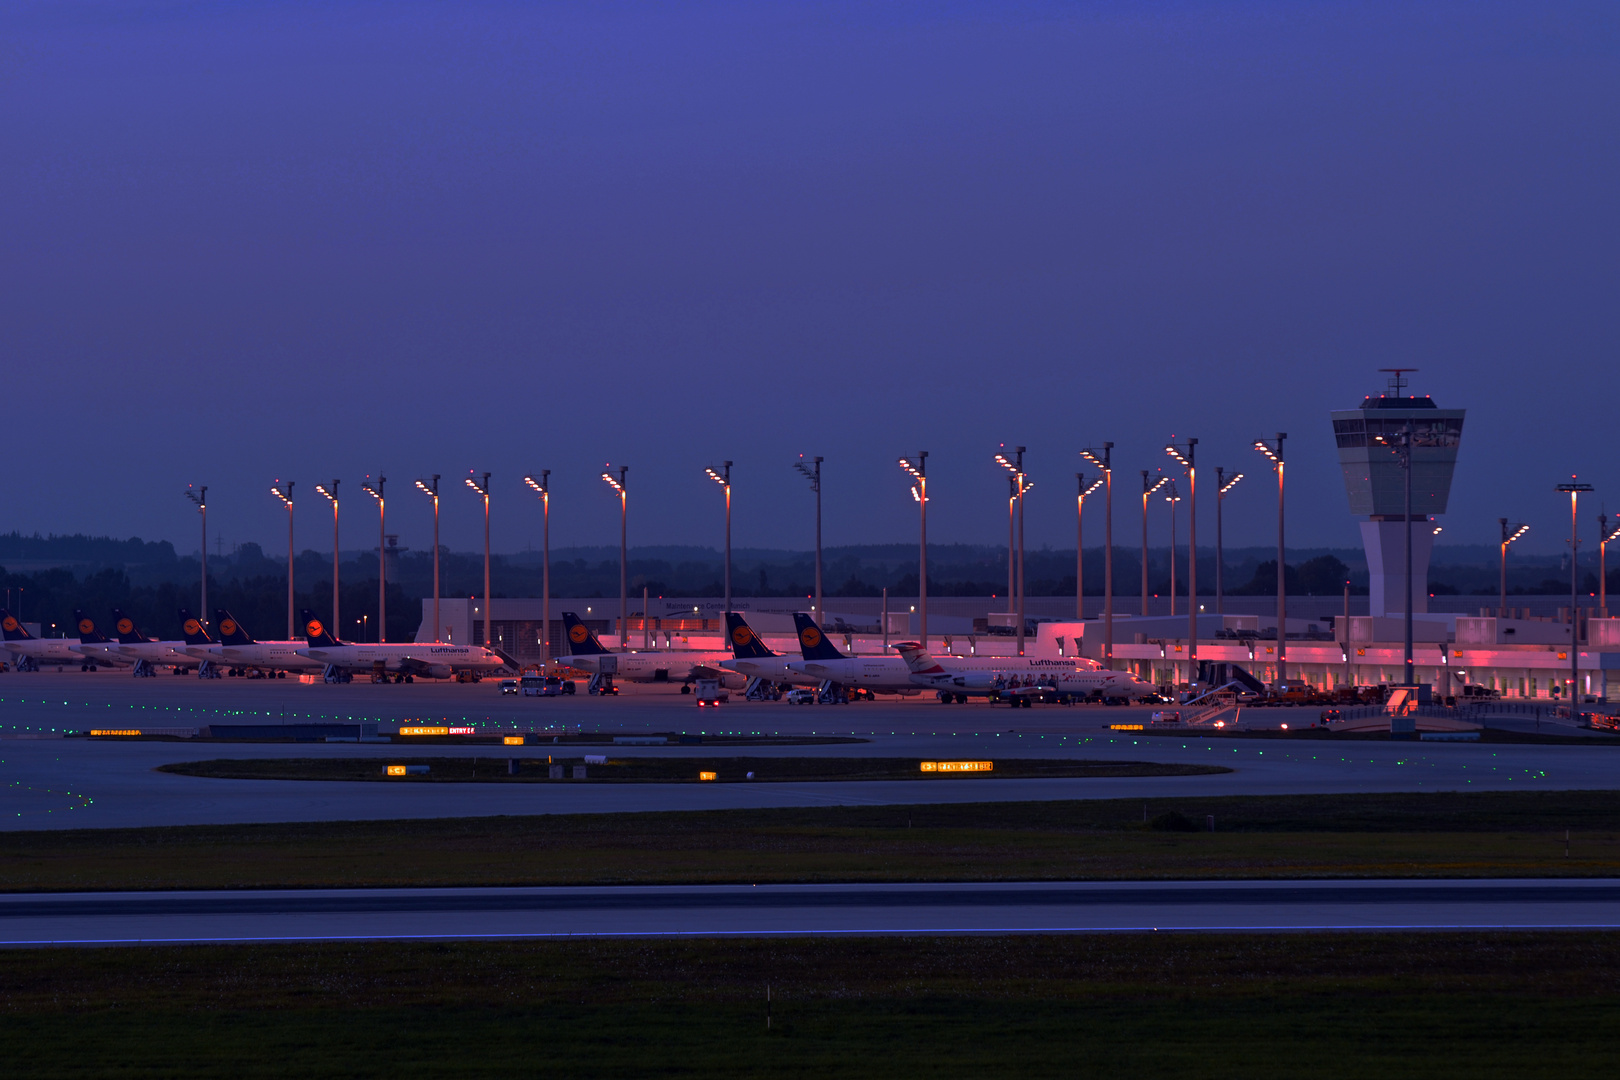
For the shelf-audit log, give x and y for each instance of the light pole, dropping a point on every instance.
(542, 487)
(331, 493)
(1187, 457)
(812, 473)
(1274, 451)
(1147, 490)
(722, 476)
(376, 492)
(482, 487)
(1015, 467)
(1079, 546)
(1603, 564)
(619, 484)
(1012, 542)
(1574, 490)
(1223, 484)
(1103, 458)
(1402, 445)
(1511, 531)
(1172, 497)
(284, 493)
(431, 489)
(918, 469)
(199, 495)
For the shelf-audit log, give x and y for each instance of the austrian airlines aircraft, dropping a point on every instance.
(954, 684)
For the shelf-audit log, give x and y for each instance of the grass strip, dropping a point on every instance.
(494, 769)
(1401, 1005)
(1449, 834)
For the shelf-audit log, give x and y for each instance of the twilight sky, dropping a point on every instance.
(244, 241)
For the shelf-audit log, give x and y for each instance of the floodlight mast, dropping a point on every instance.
(918, 468)
(1187, 456)
(431, 488)
(619, 484)
(1223, 484)
(1147, 491)
(284, 491)
(199, 495)
(542, 487)
(1511, 531)
(331, 493)
(1079, 544)
(1015, 467)
(376, 492)
(1575, 489)
(482, 487)
(1103, 458)
(1603, 564)
(721, 476)
(812, 473)
(1274, 450)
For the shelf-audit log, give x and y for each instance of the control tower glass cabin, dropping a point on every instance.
(1369, 441)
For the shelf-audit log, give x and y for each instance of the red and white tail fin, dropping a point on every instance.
(918, 659)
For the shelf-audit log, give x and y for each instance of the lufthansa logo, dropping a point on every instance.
(228, 626)
(577, 634)
(125, 626)
(86, 626)
(810, 637)
(314, 629)
(193, 626)
(11, 623)
(742, 635)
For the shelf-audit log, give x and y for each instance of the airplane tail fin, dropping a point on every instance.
(812, 642)
(88, 634)
(126, 630)
(918, 659)
(315, 631)
(193, 630)
(231, 632)
(12, 628)
(581, 642)
(745, 644)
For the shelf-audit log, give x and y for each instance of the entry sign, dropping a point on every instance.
(958, 766)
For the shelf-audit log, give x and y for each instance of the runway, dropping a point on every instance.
(741, 910)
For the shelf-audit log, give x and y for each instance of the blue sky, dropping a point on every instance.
(248, 241)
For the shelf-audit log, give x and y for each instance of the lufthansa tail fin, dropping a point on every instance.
(581, 642)
(231, 632)
(315, 631)
(812, 642)
(88, 634)
(192, 630)
(745, 644)
(11, 628)
(124, 627)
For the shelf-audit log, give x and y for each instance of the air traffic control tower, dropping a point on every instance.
(1373, 441)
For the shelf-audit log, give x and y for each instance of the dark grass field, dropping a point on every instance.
(1507, 834)
(1355, 1005)
(663, 770)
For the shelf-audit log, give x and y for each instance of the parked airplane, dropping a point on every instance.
(823, 663)
(144, 650)
(751, 657)
(587, 654)
(95, 646)
(29, 651)
(956, 684)
(429, 659)
(238, 649)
